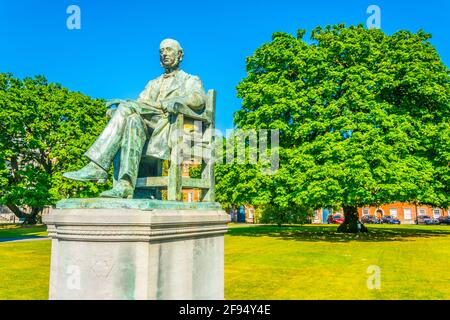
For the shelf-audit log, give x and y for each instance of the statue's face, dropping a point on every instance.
(169, 56)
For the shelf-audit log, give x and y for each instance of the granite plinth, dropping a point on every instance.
(141, 204)
(136, 249)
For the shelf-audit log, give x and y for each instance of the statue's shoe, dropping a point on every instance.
(122, 190)
(91, 172)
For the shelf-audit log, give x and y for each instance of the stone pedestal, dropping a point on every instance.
(136, 249)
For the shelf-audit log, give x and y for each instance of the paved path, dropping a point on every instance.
(23, 239)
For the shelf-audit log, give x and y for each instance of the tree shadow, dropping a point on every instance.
(320, 233)
(24, 238)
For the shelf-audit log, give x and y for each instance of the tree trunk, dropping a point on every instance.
(30, 218)
(351, 223)
(16, 210)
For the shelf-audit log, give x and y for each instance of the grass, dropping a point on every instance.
(315, 262)
(24, 266)
(295, 262)
(16, 231)
(24, 270)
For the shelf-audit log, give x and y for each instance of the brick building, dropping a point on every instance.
(243, 214)
(6, 216)
(190, 195)
(405, 212)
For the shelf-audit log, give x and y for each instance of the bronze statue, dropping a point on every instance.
(134, 122)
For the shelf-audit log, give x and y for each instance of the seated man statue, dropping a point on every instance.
(134, 122)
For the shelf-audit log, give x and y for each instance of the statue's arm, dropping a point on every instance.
(145, 94)
(131, 104)
(111, 105)
(195, 98)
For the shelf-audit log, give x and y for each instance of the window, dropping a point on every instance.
(190, 196)
(422, 212)
(393, 212)
(251, 213)
(316, 214)
(436, 212)
(407, 213)
(365, 211)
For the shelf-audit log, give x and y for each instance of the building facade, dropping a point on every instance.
(6, 216)
(190, 195)
(404, 211)
(243, 214)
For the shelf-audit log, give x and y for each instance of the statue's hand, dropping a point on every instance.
(163, 107)
(108, 104)
(170, 108)
(112, 102)
(110, 112)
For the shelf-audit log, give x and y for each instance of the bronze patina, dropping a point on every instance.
(142, 127)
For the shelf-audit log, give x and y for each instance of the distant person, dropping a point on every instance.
(330, 219)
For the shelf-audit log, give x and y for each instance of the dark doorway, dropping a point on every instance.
(241, 214)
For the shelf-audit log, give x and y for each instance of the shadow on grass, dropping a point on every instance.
(25, 238)
(20, 231)
(315, 233)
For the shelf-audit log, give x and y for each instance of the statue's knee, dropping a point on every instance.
(125, 109)
(135, 118)
(136, 121)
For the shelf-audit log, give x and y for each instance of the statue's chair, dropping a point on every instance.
(152, 178)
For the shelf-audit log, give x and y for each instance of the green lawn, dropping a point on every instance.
(297, 262)
(314, 262)
(24, 266)
(14, 231)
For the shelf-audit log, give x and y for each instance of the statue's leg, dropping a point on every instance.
(104, 149)
(133, 141)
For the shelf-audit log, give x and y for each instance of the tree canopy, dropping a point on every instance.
(44, 130)
(363, 118)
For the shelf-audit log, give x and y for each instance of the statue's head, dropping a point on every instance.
(170, 54)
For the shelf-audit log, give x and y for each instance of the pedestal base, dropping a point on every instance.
(124, 252)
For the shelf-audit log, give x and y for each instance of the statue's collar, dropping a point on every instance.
(170, 73)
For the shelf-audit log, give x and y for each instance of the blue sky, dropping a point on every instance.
(115, 52)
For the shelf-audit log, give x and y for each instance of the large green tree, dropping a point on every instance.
(363, 118)
(44, 130)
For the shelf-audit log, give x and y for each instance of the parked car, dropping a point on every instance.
(338, 219)
(390, 220)
(370, 220)
(444, 220)
(423, 219)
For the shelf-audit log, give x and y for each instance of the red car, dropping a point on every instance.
(338, 219)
